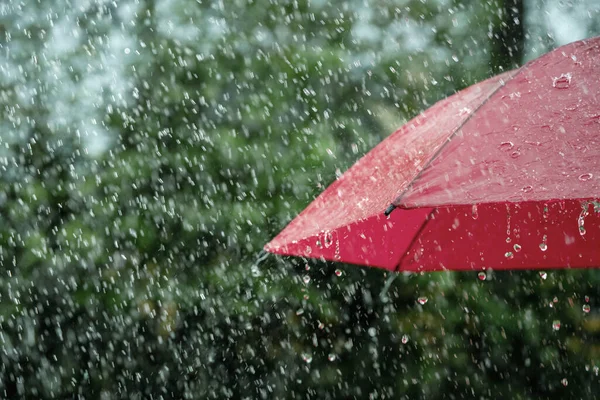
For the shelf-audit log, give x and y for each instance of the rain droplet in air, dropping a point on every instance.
(564, 382)
(321, 325)
(306, 279)
(307, 267)
(586, 308)
(307, 358)
(331, 357)
(556, 324)
(562, 82)
(405, 339)
(517, 247)
(482, 276)
(585, 177)
(543, 275)
(300, 311)
(587, 299)
(422, 300)
(338, 272)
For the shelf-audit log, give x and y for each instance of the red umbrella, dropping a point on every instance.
(501, 175)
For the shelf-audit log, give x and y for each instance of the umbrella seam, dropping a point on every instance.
(396, 202)
(415, 237)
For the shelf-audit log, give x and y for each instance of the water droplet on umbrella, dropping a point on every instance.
(515, 154)
(565, 382)
(482, 276)
(543, 275)
(505, 146)
(405, 339)
(581, 220)
(338, 272)
(544, 245)
(527, 189)
(465, 111)
(586, 308)
(585, 177)
(517, 247)
(474, 212)
(562, 82)
(307, 358)
(306, 279)
(328, 239)
(509, 255)
(422, 300)
(556, 324)
(319, 244)
(331, 357)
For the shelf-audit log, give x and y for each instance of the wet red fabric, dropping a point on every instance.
(500, 175)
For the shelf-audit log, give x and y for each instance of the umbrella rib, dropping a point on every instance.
(415, 237)
(396, 202)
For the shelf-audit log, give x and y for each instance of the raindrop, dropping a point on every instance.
(127, 50)
(527, 189)
(515, 154)
(556, 324)
(307, 358)
(465, 111)
(509, 255)
(306, 297)
(482, 276)
(581, 220)
(585, 177)
(306, 279)
(474, 212)
(328, 238)
(338, 272)
(596, 370)
(517, 247)
(562, 82)
(307, 267)
(300, 311)
(544, 244)
(331, 357)
(543, 275)
(319, 244)
(587, 299)
(405, 339)
(586, 308)
(505, 146)
(321, 325)
(555, 299)
(422, 300)
(564, 381)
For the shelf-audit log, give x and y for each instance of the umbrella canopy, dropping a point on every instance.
(501, 175)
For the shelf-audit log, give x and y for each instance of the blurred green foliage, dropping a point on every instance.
(150, 148)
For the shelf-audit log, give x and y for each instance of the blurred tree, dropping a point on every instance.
(152, 147)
